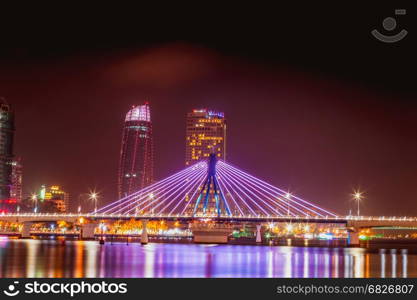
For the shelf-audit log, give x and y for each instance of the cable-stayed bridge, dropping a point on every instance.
(216, 191)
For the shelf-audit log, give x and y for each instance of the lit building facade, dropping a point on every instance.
(136, 155)
(6, 155)
(16, 181)
(205, 134)
(54, 195)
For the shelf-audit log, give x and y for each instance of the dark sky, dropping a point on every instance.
(314, 103)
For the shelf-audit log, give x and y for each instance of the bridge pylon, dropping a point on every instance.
(210, 188)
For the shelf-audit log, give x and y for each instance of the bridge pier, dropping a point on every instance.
(353, 238)
(87, 231)
(144, 238)
(258, 233)
(211, 233)
(25, 234)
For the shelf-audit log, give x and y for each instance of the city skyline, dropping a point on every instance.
(319, 132)
(267, 143)
(300, 185)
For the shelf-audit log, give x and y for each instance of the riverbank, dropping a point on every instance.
(372, 246)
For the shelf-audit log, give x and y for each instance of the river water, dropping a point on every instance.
(50, 258)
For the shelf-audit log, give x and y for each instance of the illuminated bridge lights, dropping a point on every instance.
(213, 189)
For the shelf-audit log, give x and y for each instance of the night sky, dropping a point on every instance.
(314, 103)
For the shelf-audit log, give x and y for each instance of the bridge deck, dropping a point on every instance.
(349, 220)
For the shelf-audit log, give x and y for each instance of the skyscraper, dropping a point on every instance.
(205, 134)
(16, 181)
(136, 155)
(6, 154)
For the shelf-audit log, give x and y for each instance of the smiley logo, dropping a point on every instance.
(390, 24)
(11, 290)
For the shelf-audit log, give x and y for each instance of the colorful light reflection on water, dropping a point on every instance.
(49, 258)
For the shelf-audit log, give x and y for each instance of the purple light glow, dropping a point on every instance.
(183, 186)
(230, 175)
(184, 194)
(192, 197)
(260, 188)
(236, 184)
(162, 183)
(157, 196)
(280, 191)
(245, 195)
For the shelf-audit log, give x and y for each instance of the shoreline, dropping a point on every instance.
(382, 246)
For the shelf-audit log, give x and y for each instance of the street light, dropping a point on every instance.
(288, 197)
(93, 196)
(34, 198)
(357, 195)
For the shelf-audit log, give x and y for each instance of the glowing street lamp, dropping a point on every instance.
(288, 197)
(93, 196)
(357, 195)
(34, 198)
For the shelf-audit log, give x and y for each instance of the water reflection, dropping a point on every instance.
(43, 258)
